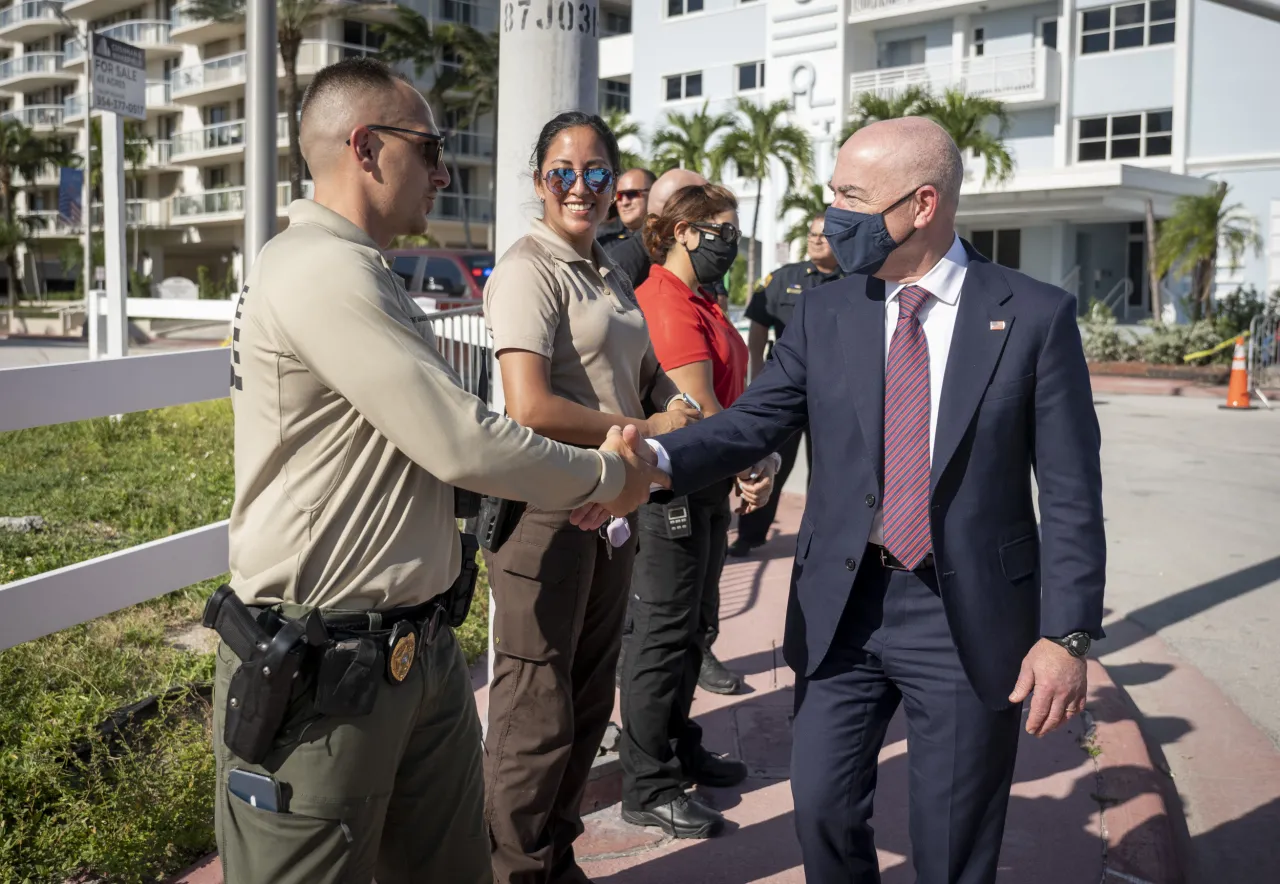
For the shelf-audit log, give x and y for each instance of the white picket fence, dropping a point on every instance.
(44, 395)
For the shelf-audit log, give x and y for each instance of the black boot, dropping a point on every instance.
(715, 678)
(680, 818)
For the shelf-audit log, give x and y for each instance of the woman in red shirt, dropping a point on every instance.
(682, 544)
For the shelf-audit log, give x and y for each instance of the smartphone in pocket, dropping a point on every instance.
(256, 790)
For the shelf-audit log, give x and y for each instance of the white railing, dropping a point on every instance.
(470, 144)
(1071, 281)
(30, 11)
(47, 174)
(140, 32)
(159, 153)
(220, 136)
(183, 17)
(48, 221)
(449, 205)
(868, 7)
(51, 394)
(1117, 300)
(1029, 74)
(36, 115)
(229, 70)
(159, 93)
(226, 201)
(138, 213)
(31, 64)
(73, 106)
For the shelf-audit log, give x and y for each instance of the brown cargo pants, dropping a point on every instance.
(396, 793)
(560, 597)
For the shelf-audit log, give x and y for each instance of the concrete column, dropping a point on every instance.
(113, 233)
(959, 47)
(260, 130)
(1185, 12)
(1064, 128)
(555, 45)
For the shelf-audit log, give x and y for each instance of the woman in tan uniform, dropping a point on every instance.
(576, 359)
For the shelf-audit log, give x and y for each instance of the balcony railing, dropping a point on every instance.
(36, 115)
(449, 206)
(227, 201)
(871, 7)
(138, 213)
(73, 106)
(30, 11)
(470, 144)
(30, 64)
(183, 17)
(220, 136)
(1014, 77)
(140, 33)
(229, 70)
(159, 93)
(49, 222)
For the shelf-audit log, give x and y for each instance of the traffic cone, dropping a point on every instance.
(1238, 392)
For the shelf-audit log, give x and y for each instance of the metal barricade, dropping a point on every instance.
(1264, 353)
(464, 342)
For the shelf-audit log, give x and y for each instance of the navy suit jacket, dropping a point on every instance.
(1016, 400)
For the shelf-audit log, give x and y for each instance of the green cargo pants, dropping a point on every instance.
(397, 794)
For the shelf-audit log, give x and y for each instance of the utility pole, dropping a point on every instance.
(557, 46)
(260, 130)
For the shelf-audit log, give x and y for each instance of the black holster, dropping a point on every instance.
(272, 651)
(457, 601)
(494, 522)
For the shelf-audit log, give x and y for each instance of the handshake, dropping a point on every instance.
(642, 474)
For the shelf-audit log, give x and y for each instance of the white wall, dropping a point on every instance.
(1120, 82)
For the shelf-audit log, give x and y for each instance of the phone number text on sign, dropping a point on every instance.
(560, 15)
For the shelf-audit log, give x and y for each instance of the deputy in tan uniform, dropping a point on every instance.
(346, 735)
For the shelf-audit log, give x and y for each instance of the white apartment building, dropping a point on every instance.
(1112, 103)
(186, 205)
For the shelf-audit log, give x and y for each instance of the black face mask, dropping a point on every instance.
(712, 257)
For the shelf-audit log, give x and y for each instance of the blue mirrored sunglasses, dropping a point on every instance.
(561, 181)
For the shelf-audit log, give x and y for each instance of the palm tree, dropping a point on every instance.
(871, 107)
(761, 139)
(465, 81)
(622, 127)
(23, 152)
(1191, 237)
(811, 203)
(685, 140)
(968, 120)
(293, 17)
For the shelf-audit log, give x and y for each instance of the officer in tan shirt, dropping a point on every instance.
(351, 435)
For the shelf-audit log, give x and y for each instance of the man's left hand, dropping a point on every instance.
(755, 485)
(1056, 682)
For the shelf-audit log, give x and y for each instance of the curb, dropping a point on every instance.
(1140, 846)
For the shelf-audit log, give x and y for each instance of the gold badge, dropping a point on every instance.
(403, 648)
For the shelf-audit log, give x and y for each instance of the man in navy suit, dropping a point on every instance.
(934, 384)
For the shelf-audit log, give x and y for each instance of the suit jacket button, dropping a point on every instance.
(871, 500)
(851, 564)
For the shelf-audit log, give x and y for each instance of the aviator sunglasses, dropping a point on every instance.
(725, 231)
(561, 181)
(432, 145)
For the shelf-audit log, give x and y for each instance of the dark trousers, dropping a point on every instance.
(663, 649)
(560, 597)
(893, 645)
(754, 527)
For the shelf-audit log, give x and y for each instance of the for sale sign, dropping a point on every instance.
(119, 78)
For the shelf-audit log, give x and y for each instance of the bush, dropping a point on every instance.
(1167, 344)
(1233, 314)
(1103, 342)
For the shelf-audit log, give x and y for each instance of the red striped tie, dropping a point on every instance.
(906, 434)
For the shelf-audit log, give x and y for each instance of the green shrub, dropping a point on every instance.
(1167, 344)
(1103, 342)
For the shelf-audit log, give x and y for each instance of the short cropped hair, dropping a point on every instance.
(351, 75)
(697, 202)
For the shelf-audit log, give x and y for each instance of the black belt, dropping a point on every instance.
(429, 617)
(890, 561)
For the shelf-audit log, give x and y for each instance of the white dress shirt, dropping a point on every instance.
(938, 319)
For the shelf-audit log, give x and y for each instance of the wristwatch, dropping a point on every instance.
(687, 399)
(1077, 643)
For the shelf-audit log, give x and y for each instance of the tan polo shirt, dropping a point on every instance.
(546, 298)
(351, 431)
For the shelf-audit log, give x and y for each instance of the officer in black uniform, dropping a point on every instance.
(770, 309)
(622, 238)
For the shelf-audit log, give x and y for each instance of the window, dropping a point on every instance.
(461, 11)
(218, 176)
(405, 266)
(1049, 32)
(684, 86)
(443, 275)
(616, 23)
(750, 76)
(615, 95)
(1002, 246)
(357, 33)
(1125, 136)
(682, 7)
(979, 41)
(1126, 26)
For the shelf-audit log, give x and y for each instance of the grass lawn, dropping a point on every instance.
(70, 803)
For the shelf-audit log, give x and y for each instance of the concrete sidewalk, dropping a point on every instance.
(1086, 806)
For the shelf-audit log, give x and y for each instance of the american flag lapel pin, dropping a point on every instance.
(997, 325)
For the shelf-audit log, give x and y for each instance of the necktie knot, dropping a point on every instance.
(912, 298)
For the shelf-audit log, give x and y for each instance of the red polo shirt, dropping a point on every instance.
(688, 327)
